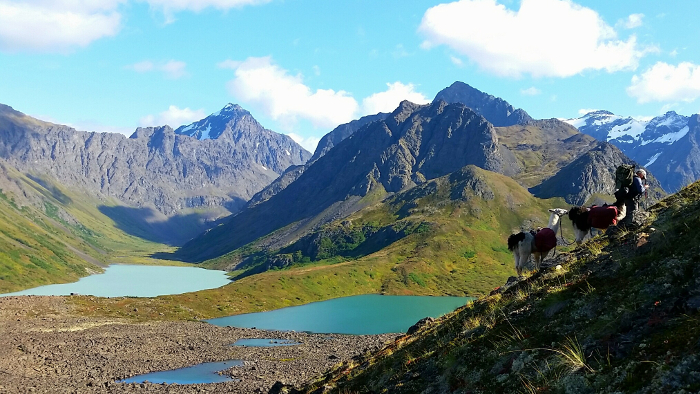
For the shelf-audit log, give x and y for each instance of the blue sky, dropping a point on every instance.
(304, 66)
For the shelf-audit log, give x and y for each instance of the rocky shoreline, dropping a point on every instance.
(45, 348)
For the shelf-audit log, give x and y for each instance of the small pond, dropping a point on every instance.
(136, 281)
(364, 314)
(200, 373)
(257, 342)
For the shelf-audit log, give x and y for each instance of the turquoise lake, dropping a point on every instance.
(200, 373)
(364, 314)
(136, 281)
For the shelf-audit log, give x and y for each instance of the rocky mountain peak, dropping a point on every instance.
(496, 110)
(214, 125)
(599, 113)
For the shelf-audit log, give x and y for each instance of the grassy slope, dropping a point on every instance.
(464, 253)
(543, 148)
(623, 315)
(42, 245)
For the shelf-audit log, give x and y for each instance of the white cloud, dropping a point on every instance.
(532, 91)
(56, 26)
(456, 61)
(666, 82)
(584, 111)
(308, 143)
(173, 69)
(170, 7)
(632, 21)
(556, 38)
(400, 52)
(173, 117)
(284, 97)
(229, 64)
(389, 99)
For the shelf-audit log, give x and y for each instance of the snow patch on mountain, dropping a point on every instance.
(669, 138)
(652, 159)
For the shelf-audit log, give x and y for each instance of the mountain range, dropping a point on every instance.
(390, 153)
(668, 145)
(248, 199)
(156, 173)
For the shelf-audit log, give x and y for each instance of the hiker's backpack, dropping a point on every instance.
(624, 176)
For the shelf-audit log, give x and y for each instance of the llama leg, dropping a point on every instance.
(524, 257)
(516, 254)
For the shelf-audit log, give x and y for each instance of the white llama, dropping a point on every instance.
(538, 244)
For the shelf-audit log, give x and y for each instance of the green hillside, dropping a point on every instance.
(52, 235)
(446, 237)
(621, 315)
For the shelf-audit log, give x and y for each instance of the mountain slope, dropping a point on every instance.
(412, 145)
(51, 234)
(342, 132)
(621, 314)
(590, 175)
(437, 230)
(543, 147)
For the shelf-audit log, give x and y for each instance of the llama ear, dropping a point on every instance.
(551, 210)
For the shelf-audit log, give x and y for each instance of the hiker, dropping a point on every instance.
(636, 190)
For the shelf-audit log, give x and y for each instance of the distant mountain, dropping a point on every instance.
(494, 109)
(155, 168)
(413, 144)
(246, 139)
(659, 143)
(342, 132)
(592, 175)
(681, 165)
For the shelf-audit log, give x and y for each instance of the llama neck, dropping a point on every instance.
(554, 222)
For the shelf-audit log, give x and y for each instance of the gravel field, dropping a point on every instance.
(45, 348)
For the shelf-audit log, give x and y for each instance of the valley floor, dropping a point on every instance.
(46, 347)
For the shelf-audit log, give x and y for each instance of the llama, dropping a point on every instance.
(538, 244)
(585, 220)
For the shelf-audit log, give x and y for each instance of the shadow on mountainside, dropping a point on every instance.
(149, 224)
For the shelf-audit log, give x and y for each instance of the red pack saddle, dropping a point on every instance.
(602, 217)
